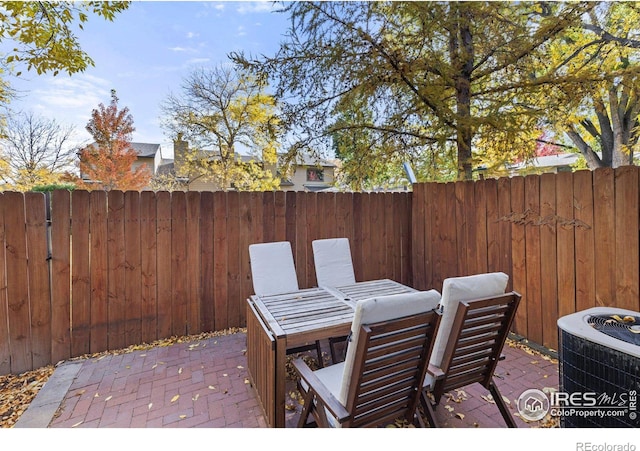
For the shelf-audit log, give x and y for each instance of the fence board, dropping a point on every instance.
(504, 227)
(313, 233)
(246, 285)
(480, 220)
(60, 270)
(420, 258)
(5, 351)
(17, 284)
(193, 262)
(299, 246)
(80, 273)
(149, 281)
(584, 239)
(356, 244)
(604, 232)
(627, 244)
(116, 266)
(220, 260)
(493, 251)
(133, 272)
(164, 265)
(179, 295)
(235, 302)
(207, 304)
(532, 253)
(39, 299)
(98, 273)
(566, 244)
(518, 253)
(548, 261)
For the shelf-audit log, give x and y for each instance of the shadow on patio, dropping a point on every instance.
(204, 383)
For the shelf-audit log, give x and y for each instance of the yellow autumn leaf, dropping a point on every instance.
(175, 398)
(629, 319)
(195, 398)
(449, 408)
(77, 424)
(240, 367)
(211, 387)
(180, 371)
(182, 417)
(149, 406)
(460, 415)
(108, 398)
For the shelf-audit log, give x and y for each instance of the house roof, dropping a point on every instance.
(145, 150)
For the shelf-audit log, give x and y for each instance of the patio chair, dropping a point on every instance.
(334, 268)
(332, 259)
(477, 315)
(273, 272)
(381, 377)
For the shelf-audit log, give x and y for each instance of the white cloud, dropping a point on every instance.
(191, 35)
(241, 31)
(256, 7)
(182, 49)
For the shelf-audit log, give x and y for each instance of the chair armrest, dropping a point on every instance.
(321, 391)
(436, 372)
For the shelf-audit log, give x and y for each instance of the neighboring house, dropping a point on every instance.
(561, 162)
(310, 174)
(149, 155)
(307, 174)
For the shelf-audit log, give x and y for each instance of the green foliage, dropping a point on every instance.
(53, 187)
(43, 32)
(479, 78)
(222, 112)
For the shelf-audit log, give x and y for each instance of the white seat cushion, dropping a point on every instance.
(458, 289)
(272, 268)
(373, 310)
(332, 259)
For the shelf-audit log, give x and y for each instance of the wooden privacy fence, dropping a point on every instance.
(85, 272)
(569, 241)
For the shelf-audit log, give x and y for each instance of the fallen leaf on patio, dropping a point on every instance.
(149, 406)
(488, 398)
(154, 366)
(195, 398)
(108, 398)
(128, 367)
(505, 399)
(175, 398)
(460, 415)
(182, 417)
(534, 362)
(240, 367)
(225, 392)
(81, 392)
(289, 407)
(247, 381)
(634, 331)
(211, 387)
(180, 371)
(77, 424)
(225, 374)
(97, 395)
(449, 408)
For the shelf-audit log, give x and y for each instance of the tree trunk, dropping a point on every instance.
(462, 53)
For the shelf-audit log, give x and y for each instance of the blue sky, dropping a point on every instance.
(144, 54)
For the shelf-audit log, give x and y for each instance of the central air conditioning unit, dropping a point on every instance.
(600, 353)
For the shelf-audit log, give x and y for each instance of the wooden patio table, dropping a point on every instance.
(276, 323)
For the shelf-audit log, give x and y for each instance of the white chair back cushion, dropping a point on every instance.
(384, 308)
(458, 289)
(272, 268)
(332, 259)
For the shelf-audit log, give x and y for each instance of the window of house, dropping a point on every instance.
(315, 175)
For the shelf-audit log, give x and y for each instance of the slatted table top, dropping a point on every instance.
(303, 311)
(364, 290)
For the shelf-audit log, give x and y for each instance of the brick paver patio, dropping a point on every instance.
(205, 384)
